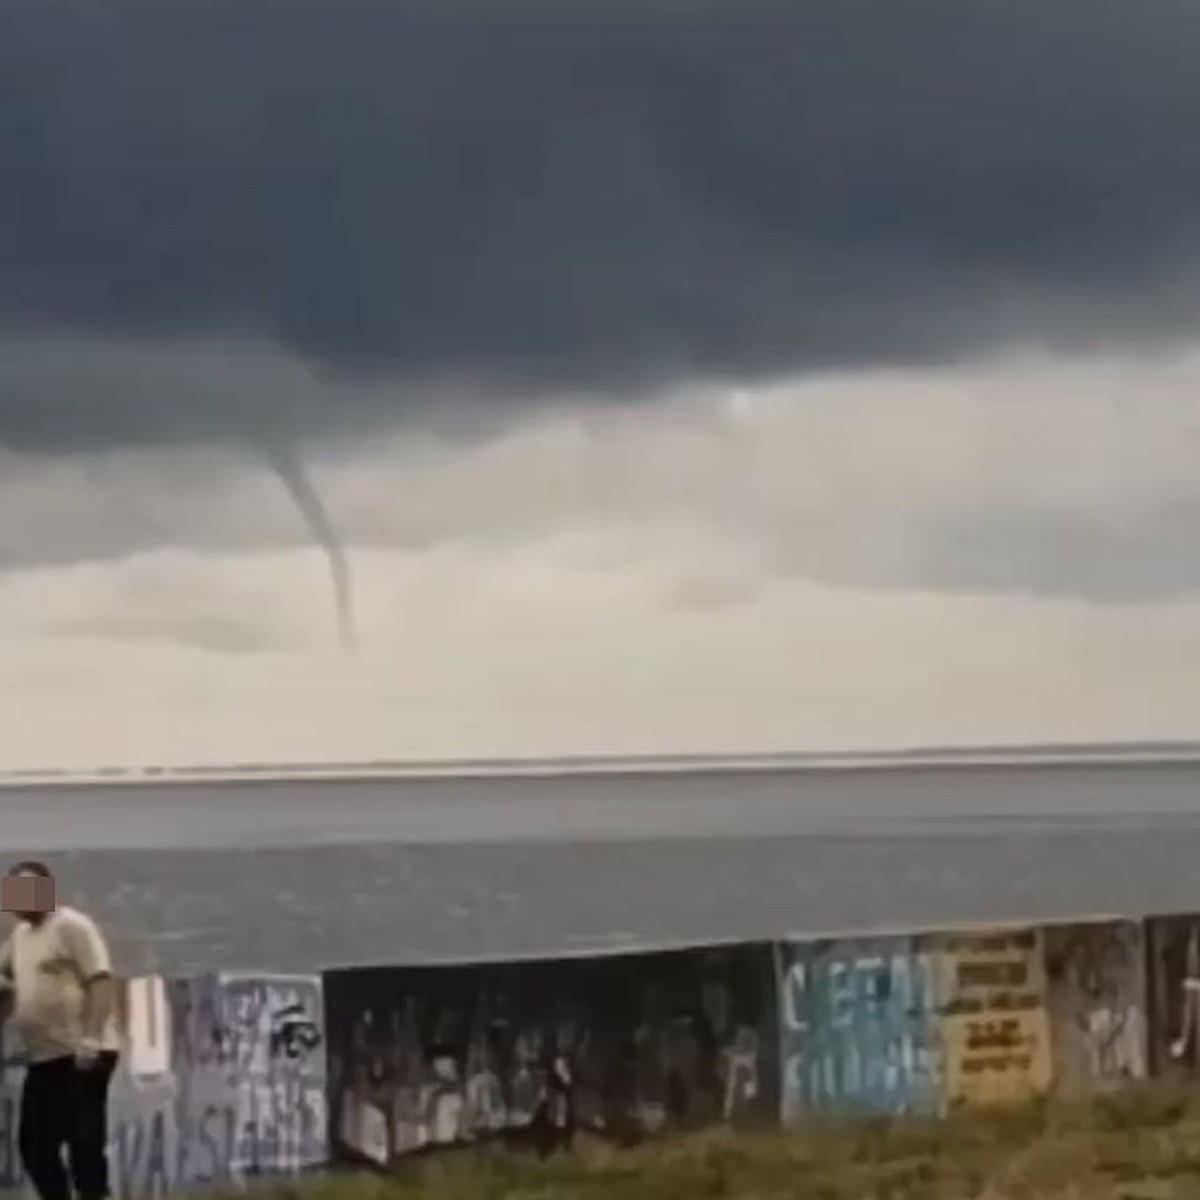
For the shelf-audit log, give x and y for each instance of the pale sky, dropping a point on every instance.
(1001, 553)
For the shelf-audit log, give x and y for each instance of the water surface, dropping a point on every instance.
(295, 876)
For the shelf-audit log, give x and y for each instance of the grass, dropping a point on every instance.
(1141, 1145)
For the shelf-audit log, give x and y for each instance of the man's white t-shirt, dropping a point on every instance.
(50, 963)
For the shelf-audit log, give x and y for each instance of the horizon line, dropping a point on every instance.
(1145, 752)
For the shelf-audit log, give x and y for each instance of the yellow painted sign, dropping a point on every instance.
(995, 1028)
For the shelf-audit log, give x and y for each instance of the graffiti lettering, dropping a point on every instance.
(270, 1038)
(1173, 1019)
(207, 1138)
(293, 1032)
(740, 1071)
(859, 1028)
(462, 1054)
(990, 1034)
(142, 1155)
(993, 974)
(1000, 1064)
(1096, 1000)
(195, 1024)
(794, 1003)
(249, 1067)
(994, 1019)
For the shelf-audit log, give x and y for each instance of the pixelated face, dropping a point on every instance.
(28, 895)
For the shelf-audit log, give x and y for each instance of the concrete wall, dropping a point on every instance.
(1173, 993)
(620, 1046)
(231, 1076)
(859, 1027)
(994, 1024)
(221, 1078)
(1096, 998)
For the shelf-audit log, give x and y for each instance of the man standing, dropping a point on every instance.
(55, 966)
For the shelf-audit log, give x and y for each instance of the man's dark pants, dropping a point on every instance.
(66, 1106)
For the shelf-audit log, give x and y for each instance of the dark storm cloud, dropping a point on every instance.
(582, 194)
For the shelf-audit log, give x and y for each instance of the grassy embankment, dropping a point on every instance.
(1142, 1145)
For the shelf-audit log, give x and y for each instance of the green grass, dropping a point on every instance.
(1142, 1145)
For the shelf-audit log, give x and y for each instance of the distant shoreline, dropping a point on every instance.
(1047, 754)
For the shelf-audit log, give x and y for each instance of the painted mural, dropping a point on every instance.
(1096, 1001)
(1173, 986)
(220, 1078)
(858, 1027)
(248, 1053)
(230, 1076)
(994, 1023)
(622, 1046)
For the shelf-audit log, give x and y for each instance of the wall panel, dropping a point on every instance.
(623, 1046)
(858, 1027)
(1096, 1000)
(994, 1023)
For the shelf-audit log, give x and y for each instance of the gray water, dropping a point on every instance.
(301, 875)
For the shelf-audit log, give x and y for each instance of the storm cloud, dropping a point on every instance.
(513, 203)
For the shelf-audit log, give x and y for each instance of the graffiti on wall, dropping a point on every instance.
(244, 1088)
(858, 1027)
(273, 1049)
(144, 1149)
(12, 1074)
(219, 1077)
(995, 1027)
(1096, 1000)
(227, 1076)
(249, 1064)
(623, 1046)
(1173, 993)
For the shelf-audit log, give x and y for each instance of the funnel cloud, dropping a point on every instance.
(287, 466)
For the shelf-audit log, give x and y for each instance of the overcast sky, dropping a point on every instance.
(674, 377)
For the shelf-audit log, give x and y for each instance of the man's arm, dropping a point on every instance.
(7, 989)
(101, 1000)
(90, 953)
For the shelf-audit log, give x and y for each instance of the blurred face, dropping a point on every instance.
(28, 895)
